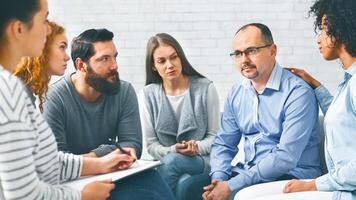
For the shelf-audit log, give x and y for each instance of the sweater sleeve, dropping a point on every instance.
(29, 167)
(213, 121)
(20, 180)
(70, 166)
(154, 147)
(129, 131)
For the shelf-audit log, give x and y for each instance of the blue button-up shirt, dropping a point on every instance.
(280, 127)
(340, 137)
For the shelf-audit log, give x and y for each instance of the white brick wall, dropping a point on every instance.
(204, 28)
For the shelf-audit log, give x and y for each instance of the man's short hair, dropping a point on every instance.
(266, 33)
(82, 45)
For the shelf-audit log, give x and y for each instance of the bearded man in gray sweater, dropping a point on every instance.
(92, 112)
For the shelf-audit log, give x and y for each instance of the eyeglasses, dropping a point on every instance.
(250, 51)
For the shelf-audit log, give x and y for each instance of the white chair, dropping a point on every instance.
(274, 191)
(311, 195)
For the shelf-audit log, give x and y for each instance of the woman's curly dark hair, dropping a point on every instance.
(341, 21)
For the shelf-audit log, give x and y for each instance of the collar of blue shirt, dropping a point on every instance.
(273, 82)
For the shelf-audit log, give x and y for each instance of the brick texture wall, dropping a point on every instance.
(204, 28)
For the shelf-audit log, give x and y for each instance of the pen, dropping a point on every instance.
(120, 148)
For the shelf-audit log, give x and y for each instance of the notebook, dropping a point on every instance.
(137, 166)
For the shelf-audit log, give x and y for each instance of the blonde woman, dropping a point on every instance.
(36, 72)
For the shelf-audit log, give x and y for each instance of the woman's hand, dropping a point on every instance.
(115, 161)
(189, 148)
(305, 76)
(130, 151)
(109, 163)
(98, 190)
(299, 186)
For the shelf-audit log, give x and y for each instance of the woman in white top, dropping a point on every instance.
(179, 111)
(30, 165)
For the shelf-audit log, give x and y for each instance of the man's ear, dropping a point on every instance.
(80, 65)
(274, 50)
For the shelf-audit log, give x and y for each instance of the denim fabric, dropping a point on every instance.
(176, 164)
(147, 185)
(192, 187)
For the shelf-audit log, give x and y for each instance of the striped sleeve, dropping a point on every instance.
(29, 160)
(70, 165)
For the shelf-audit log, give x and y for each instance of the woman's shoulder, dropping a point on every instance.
(9, 83)
(201, 80)
(151, 87)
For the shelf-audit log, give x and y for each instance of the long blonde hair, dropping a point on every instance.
(34, 70)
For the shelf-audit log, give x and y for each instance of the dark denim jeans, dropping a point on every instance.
(192, 187)
(147, 185)
(176, 164)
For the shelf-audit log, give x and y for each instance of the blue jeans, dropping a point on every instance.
(176, 164)
(192, 187)
(147, 185)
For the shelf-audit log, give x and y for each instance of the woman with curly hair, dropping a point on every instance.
(336, 19)
(36, 72)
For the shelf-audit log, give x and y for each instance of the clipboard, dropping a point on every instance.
(138, 166)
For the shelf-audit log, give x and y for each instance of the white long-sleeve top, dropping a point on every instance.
(176, 102)
(30, 165)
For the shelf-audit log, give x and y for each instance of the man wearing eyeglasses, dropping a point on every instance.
(273, 111)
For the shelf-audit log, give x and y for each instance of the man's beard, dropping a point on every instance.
(100, 83)
(249, 75)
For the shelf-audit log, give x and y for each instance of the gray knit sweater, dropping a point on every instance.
(81, 127)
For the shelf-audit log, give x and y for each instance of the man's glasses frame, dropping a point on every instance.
(250, 51)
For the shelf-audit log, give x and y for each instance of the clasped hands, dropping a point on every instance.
(217, 190)
(188, 148)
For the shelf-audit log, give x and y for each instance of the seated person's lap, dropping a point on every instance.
(175, 165)
(192, 187)
(145, 185)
